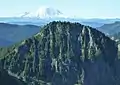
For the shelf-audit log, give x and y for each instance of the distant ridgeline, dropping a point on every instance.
(111, 28)
(64, 53)
(12, 33)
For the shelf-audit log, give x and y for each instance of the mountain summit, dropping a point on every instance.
(64, 53)
(44, 12)
(48, 12)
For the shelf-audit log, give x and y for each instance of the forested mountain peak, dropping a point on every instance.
(63, 53)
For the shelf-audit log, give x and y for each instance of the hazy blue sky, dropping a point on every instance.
(80, 8)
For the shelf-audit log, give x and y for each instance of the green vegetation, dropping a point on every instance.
(63, 53)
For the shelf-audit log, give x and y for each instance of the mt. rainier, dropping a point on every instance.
(44, 12)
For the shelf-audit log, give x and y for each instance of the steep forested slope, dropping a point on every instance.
(64, 53)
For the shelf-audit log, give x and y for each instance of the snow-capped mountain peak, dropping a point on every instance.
(44, 12)
(48, 12)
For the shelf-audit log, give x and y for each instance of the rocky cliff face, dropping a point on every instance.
(64, 53)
